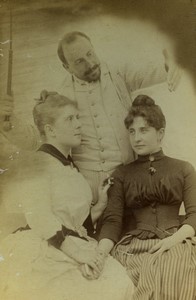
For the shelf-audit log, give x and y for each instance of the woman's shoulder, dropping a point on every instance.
(47, 164)
(123, 170)
(179, 165)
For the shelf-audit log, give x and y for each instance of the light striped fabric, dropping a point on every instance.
(170, 275)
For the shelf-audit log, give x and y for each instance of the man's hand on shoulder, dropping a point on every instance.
(173, 71)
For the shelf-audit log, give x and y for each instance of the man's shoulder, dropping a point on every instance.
(66, 81)
(117, 68)
(66, 87)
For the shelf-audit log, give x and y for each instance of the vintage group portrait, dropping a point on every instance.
(97, 150)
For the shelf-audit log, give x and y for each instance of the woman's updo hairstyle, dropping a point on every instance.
(144, 106)
(48, 108)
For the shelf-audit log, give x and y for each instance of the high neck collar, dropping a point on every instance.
(151, 157)
(50, 149)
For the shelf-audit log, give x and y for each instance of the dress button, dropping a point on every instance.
(97, 126)
(103, 161)
(95, 115)
(100, 138)
(151, 158)
(102, 149)
(92, 104)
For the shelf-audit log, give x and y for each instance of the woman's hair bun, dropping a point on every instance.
(143, 100)
(43, 96)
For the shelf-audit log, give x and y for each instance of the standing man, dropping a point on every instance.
(103, 96)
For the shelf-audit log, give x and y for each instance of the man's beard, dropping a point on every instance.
(89, 72)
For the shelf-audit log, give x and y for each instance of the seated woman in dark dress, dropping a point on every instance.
(142, 216)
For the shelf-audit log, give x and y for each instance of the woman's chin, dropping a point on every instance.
(140, 151)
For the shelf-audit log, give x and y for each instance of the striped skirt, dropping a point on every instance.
(170, 275)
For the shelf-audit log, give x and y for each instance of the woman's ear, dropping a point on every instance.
(161, 133)
(49, 130)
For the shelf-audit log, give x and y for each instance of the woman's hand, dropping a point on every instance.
(93, 273)
(92, 258)
(186, 231)
(102, 191)
(99, 207)
(88, 272)
(164, 244)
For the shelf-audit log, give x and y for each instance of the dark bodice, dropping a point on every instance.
(146, 197)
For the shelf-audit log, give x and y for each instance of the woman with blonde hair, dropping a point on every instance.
(55, 257)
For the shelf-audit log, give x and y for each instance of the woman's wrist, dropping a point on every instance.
(96, 211)
(102, 252)
(100, 206)
(105, 246)
(185, 231)
(70, 249)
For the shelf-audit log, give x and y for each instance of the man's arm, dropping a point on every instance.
(151, 73)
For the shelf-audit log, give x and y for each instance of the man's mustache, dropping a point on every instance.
(88, 72)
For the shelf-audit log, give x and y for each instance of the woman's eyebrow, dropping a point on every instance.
(144, 127)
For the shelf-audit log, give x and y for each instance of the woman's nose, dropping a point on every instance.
(137, 136)
(78, 123)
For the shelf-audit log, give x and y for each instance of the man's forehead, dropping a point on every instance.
(77, 46)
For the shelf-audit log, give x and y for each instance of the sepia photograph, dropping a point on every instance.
(97, 150)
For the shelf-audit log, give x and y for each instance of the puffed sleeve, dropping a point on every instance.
(36, 203)
(189, 195)
(113, 215)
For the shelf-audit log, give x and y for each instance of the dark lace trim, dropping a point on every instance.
(50, 149)
(60, 236)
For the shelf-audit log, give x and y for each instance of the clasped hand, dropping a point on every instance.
(93, 264)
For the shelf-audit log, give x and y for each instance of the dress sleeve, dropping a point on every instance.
(113, 215)
(189, 195)
(88, 224)
(36, 204)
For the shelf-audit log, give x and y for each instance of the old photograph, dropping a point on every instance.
(97, 150)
